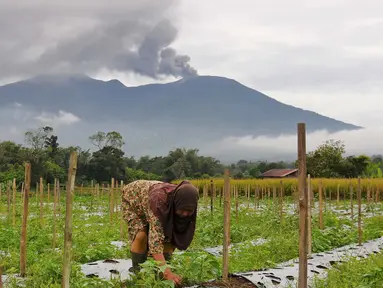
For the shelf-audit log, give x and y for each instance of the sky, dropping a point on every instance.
(324, 56)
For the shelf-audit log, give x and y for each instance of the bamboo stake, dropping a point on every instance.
(8, 201)
(58, 198)
(211, 196)
(281, 202)
(236, 204)
(303, 221)
(111, 201)
(68, 220)
(321, 226)
(312, 197)
(204, 193)
(41, 200)
(220, 196)
(377, 194)
(359, 212)
(256, 198)
(226, 226)
(23, 238)
(49, 193)
(115, 193)
(14, 202)
(274, 194)
(309, 233)
(54, 213)
(351, 200)
(121, 224)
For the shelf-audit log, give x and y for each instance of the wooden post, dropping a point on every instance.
(236, 203)
(359, 212)
(41, 200)
(303, 206)
(312, 197)
(321, 226)
(22, 191)
(337, 195)
(49, 193)
(274, 194)
(68, 220)
(58, 198)
(256, 197)
(54, 213)
(8, 201)
(281, 202)
(14, 202)
(111, 201)
(211, 196)
(226, 226)
(23, 238)
(309, 235)
(352, 200)
(204, 193)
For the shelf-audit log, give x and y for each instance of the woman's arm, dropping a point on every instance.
(157, 237)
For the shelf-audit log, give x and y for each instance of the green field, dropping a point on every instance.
(94, 230)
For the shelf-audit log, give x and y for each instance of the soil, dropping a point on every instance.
(232, 282)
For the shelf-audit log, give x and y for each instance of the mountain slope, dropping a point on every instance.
(196, 109)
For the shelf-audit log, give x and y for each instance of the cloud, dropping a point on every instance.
(16, 119)
(364, 141)
(320, 55)
(85, 37)
(55, 120)
(143, 140)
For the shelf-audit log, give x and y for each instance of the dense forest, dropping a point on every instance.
(50, 161)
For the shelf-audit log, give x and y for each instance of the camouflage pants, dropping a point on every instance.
(136, 211)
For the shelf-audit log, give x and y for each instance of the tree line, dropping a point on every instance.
(50, 161)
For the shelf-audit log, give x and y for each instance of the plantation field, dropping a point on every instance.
(264, 232)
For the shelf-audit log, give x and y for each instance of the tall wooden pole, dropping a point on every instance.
(321, 225)
(211, 196)
(302, 186)
(41, 200)
(309, 235)
(359, 212)
(226, 226)
(68, 220)
(23, 239)
(54, 213)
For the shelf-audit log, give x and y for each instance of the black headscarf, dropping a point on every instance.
(180, 229)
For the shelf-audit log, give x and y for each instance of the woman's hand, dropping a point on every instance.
(168, 274)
